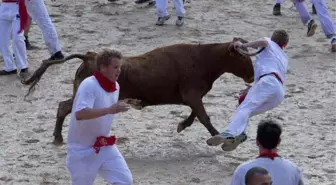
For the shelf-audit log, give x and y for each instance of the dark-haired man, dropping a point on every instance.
(281, 170)
(258, 176)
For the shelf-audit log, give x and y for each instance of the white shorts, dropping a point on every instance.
(84, 164)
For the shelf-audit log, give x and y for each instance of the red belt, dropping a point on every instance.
(242, 97)
(104, 141)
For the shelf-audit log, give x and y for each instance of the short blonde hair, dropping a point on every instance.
(104, 57)
(280, 37)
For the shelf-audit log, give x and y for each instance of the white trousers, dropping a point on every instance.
(265, 95)
(39, 13)
(323, 15)
(84, 164)
(10, 24)
(162, 6)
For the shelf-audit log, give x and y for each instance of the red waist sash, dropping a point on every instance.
(104, 141)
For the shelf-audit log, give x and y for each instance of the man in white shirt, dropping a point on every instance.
(269, 74)
(90, 148)
(282, 171)
(258, 176)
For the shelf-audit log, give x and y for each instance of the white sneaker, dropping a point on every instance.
(179, 21)
(227, 139)
(162, 20)
(239, 139)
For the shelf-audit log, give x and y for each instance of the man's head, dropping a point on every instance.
(280, 37)
(258, 176)
(109, 63)
(268, 134)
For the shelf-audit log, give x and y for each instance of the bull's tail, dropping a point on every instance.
(35, 78)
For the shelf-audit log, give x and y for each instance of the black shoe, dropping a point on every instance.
(25, 70)
(277, 9)
(152, 3)
(141, 1)
(57, 56)
(313, 9)
(311, 28)
(3, 72)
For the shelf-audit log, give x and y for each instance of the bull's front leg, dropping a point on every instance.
(193, 98)
(64, 108)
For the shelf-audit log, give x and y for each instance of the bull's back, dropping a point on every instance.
(153, 77)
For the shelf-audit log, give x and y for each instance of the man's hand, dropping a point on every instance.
(120, 106)
(237, 44)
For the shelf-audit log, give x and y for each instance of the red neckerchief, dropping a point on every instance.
(24, 17)
(268, 154)
(105, 83)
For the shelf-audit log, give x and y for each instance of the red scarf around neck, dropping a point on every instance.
(268, 154)
(105, 83)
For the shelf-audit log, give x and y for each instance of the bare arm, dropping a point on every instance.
(89, 113)
(256, 44)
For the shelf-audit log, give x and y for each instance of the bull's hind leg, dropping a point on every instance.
(187, 122)
(193, 98)
(64, 108)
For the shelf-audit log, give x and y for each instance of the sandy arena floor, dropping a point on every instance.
(155, 152)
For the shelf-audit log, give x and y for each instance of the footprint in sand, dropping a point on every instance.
(39, 130)
(32, 141)
(196, 180)
(6, 179)
(122, 140)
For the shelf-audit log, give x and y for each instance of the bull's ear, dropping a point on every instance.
(235, 39)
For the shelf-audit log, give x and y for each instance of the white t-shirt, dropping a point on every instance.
(271, 59)
(282, 171)
(91, 95)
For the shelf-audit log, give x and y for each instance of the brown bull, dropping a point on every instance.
(176, 74)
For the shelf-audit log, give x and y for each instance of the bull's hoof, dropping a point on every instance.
(58, 140)
(180, 127)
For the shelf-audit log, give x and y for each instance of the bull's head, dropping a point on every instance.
(243, 62)
(232, 50)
